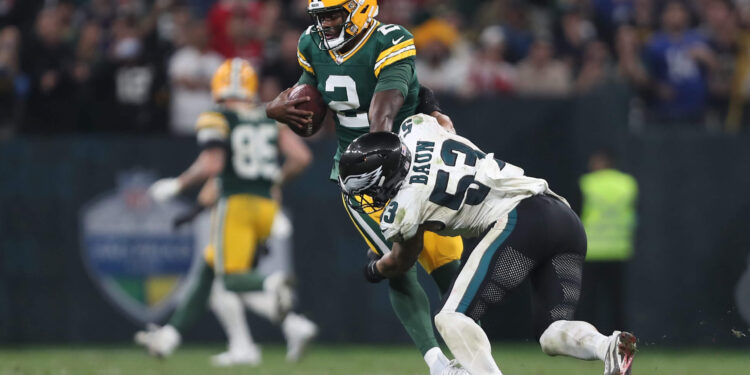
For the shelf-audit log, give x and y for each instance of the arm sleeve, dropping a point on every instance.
(307, 79)
(396, 77)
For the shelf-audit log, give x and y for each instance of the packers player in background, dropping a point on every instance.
(228, 306)
(365, 72)
(240, 151)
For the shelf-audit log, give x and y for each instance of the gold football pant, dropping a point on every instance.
(437, 251)
(238, 224)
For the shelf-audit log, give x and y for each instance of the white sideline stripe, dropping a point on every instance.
(384, 249)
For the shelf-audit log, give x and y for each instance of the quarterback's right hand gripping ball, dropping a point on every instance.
(316, 105)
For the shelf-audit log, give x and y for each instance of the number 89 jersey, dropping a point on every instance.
(251, 143)
(452, 182)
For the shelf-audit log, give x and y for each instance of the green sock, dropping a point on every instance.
(412, 307)
(192, 307)
(445, 274)
(243, 282)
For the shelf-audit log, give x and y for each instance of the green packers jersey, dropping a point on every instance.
(251, 142)
(347, 81)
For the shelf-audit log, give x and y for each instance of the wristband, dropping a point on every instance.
(372, 274)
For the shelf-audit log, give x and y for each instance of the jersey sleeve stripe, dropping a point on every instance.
(397, 47)
(207, 135)
(212, 120)
(371, 235)
(407, 52)
(303, 63)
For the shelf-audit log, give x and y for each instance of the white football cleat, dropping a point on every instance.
(158, 341)
(279, 285)
(298, 331)
(454, 368)
(248, 357)
(619, 358)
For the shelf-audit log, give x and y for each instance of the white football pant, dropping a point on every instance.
(468, 342)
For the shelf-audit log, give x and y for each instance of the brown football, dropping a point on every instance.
(316, 105)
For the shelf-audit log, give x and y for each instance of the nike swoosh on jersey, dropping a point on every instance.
(397, 41)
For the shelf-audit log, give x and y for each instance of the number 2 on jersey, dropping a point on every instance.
(351, 102)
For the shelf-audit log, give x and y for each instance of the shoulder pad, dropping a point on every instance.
(212, 120)
(306, 41)
(303, 50)
(387, 33)
(418, 120)
(404, 222)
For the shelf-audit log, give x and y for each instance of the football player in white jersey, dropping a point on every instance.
(427, 178)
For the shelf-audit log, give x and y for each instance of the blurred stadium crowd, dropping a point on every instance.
(143, 66)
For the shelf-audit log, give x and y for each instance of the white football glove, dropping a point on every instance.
(164, 189)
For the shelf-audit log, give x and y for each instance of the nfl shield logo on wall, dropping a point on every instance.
(131, 250)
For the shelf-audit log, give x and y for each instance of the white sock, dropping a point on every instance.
(575, 339)
(468, 342)
(229, 311)
(261, 303)
(171, 331)
(436, 360)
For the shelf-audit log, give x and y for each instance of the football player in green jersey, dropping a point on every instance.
(240, 148)
(365, 72)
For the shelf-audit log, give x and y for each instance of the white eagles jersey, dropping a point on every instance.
(452, 182)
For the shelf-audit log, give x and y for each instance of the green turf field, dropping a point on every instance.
(334, 360)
